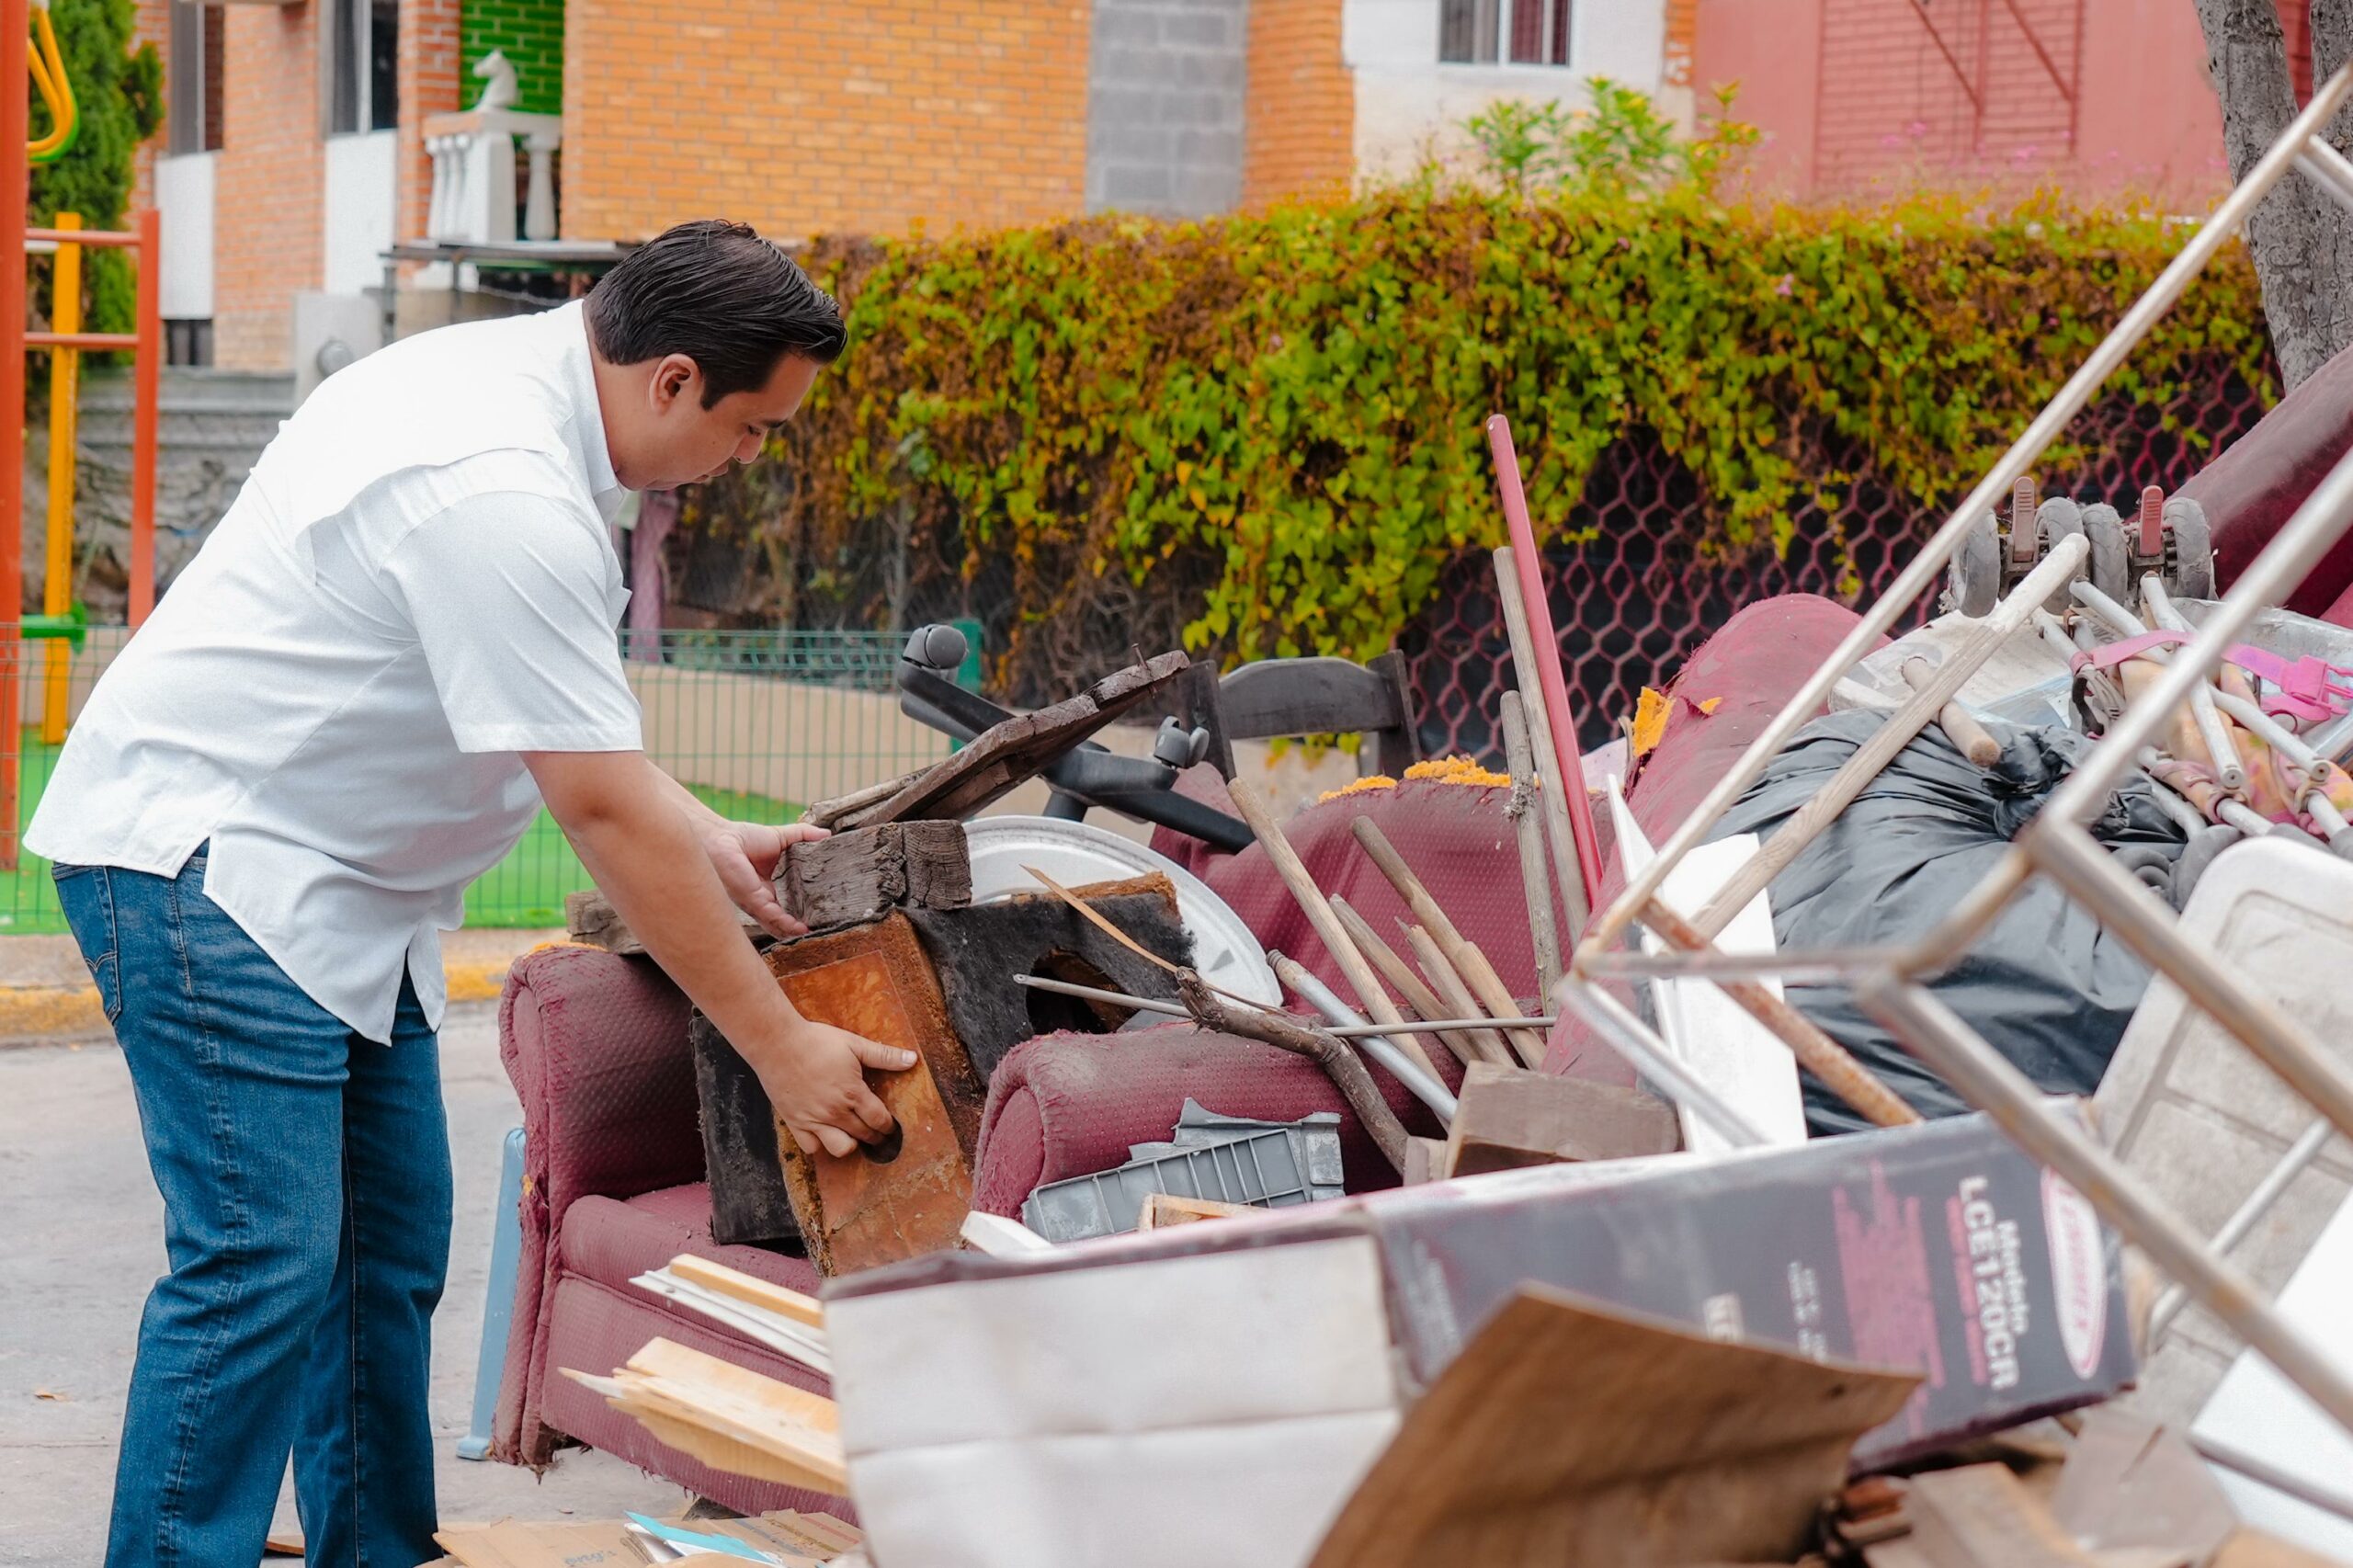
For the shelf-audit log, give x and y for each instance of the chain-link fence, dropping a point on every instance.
(756, 723)
(1632, 605)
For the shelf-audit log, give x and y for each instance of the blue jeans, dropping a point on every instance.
(305, 1176)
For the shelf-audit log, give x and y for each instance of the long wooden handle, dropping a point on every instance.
(1559, 830)
(1399, 973)
(1953, 719)
(1293, 871)
(1462, 953)
(1487, 1044)
(1529, 826)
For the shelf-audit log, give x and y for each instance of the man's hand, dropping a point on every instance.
(815, 1080)
(638, 831)
(745, 854)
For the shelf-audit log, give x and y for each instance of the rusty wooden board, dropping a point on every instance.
(909, 1195)
(1008, 754)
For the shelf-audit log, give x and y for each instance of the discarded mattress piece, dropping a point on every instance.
(2046, 986)
(1222, 1159)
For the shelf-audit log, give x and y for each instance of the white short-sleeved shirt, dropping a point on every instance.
(416, 585)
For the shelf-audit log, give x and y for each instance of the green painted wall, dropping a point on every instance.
(531, 32)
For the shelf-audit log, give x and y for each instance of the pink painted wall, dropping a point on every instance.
(1857, 98)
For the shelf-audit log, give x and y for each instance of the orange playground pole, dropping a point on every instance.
(16, 126)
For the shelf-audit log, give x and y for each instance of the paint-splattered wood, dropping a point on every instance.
(1007, 756)
(910, 1195)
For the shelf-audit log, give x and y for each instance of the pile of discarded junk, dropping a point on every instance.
(1886, 1110)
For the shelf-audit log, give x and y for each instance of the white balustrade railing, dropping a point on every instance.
(473, 175)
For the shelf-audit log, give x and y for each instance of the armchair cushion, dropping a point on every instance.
(1069, 1104)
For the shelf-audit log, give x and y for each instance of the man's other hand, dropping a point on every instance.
(815, 1080)
(745, 854)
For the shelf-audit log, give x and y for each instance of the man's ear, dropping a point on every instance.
(674, 377)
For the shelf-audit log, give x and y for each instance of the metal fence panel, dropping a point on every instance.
(758, 724)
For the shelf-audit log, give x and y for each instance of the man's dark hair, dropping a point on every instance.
(717, 293)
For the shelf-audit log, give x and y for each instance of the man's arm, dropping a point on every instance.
(744, 855)
(649, 856)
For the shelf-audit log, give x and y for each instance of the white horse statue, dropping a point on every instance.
(497, 72)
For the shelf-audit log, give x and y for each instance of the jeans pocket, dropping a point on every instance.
(86, 895)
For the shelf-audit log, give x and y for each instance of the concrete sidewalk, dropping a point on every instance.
(46, 998)
(86, 1238)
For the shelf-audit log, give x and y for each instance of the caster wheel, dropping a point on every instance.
(1974, 577)
(2111, 559)
(2192, 551)
(2055, 520)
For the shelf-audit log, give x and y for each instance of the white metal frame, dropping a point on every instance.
(1890, 982)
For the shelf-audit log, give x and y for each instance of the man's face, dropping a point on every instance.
(675, 440)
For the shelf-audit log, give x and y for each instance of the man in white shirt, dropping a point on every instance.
(400, 641)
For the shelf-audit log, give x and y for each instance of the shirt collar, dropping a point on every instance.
(587, 413)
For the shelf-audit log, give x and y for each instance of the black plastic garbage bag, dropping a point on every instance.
(2046, 986)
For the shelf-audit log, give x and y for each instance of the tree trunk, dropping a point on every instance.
(2301, 240)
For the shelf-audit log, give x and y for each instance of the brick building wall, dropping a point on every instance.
(429, 85)
(269, 192)
(530, 34)
(816, 118)
(1302, 103)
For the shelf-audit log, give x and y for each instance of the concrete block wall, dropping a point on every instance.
(1165, 122)
(530, 34)
(805, 118)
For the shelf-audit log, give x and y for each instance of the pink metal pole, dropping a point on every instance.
(1548, 653)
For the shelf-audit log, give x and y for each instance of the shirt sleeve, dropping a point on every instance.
(509, 596)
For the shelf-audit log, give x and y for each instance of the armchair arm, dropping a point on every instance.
(1067, 1104)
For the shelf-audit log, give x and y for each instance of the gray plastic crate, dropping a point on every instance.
(1226, 1159)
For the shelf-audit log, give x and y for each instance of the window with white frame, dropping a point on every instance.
(1494, 32)
(362, 65)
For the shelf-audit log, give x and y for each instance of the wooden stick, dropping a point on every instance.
(1871, 759)
(1487, 1043)
(1348, 1074)
(1816, 1052)
(1303, 887)
(1558, 829)
(1551, 691)
(1464, 955)
(1399, 973)
(1953, 719)
(1527, 820)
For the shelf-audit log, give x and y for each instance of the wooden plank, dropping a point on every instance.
(728, 1417)
(749, 1289)
(1161, 1209)
(910, 1195)
(1006, 755)
(1567, 1432)
(1981, 1515)
(843, 880)
(859, 874)
(1509, 1116)
(1425, 1161)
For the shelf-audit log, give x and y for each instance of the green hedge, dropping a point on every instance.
(1276, 418)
